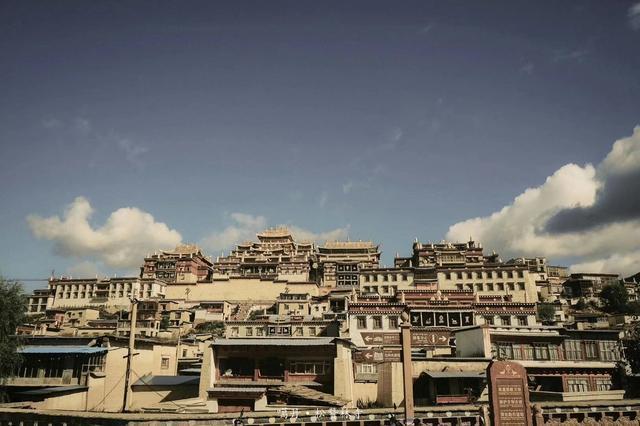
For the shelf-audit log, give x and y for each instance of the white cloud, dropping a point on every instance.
(520, 228)
(85, 269)
(246, 226)
(121, 242)
(133, 152)
(634, 16)
(82, 126)
(347, 187)
(302, 234)
(323, 199)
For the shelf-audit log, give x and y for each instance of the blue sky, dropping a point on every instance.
(381, 121)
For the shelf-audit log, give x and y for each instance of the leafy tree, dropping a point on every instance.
(165, 322)
(546, 312)
(581, 305)
(615, 298)
(13, 304)
(216, 328)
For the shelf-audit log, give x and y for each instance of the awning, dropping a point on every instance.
(456, 374)
(53, 390)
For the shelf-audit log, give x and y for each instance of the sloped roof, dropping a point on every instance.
(311, 395)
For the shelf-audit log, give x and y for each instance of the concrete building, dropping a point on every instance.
(276, 255)
(185, 264)
(252, 373)
(566, 365)
(109, 293)
(338, 263)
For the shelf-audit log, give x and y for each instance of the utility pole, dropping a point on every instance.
(133, 313)
(407, 371)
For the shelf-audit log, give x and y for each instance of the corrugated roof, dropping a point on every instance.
(456, 374)
(167, 381)
(311, 395)
(61, 349)
(232, 389)
(267, 341)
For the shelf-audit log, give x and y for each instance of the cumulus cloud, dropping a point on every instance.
(121, 242)
(617, 198)
(246, 226)
(589, 212)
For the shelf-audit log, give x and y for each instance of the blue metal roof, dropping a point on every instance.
(38, 349)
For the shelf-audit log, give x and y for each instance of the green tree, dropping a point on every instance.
(546, 312)
(165, 322)
(615, 298)
(13, 304)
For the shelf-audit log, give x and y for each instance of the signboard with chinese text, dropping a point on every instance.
(509, 394)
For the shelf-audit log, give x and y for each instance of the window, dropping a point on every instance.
(505, 320)
(541, 351)
(479, 287)
(505, 351)
(259, 331)
(235, 331)
(362, 323)
(500, 286)
(591, 349)
(249, 331)
(377, 322)
(522, 320)
(385, 289)
(184, 353)
(312, 331)
(309, 367)
(488, 319)
(459, 286)
(511, 286)
(521, 286)
(298, 331)
(393, 322)
(490, 287)
(603, 384)
(572, 350)
(164, 363)
(608, 350)
(366, 368)
(577, 385)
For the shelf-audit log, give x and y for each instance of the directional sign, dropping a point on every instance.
(374, 339)
(430, 338)
(392, 355)
(369, 355)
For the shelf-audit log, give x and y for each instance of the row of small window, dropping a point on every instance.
(484, 274)
(582, 384)
(288, 307)
(165, 265)
(347, 268)
(260, 331)
(377, 322)
(572, 350)
(386, 277)
(165, 274)
(490, 286)
(385, 289)
(343, 282)
(521, 320)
